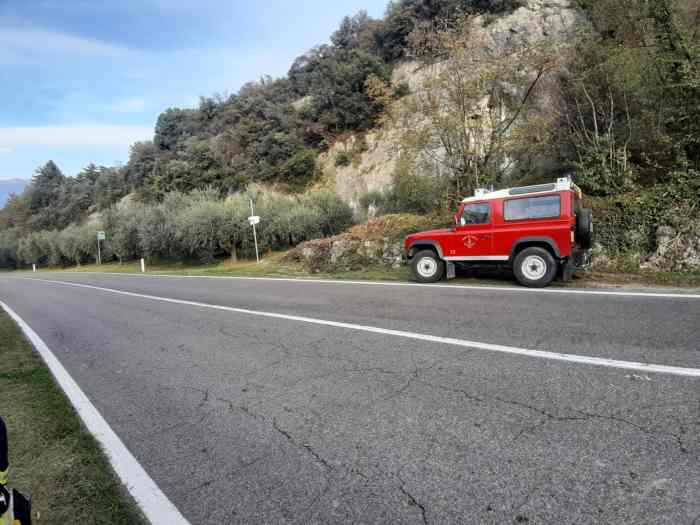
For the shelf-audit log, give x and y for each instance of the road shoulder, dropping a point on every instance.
(52, 456)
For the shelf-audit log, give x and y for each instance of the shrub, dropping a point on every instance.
(410, 192)
(342, 158)
(335, 215)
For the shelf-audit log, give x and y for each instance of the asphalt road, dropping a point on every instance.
(242, 418)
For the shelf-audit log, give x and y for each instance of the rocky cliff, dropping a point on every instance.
(369, 160)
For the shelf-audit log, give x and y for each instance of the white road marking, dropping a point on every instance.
(484, 288)
(155, 505)
(556, 356)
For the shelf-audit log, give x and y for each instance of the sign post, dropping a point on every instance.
(253, 220)
(100, 237)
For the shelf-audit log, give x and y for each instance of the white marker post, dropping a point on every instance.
(143, 265)
(253, 220)
(100, 237)
(34, 268)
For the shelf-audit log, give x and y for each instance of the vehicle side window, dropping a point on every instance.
(544, 207)
(475, 214)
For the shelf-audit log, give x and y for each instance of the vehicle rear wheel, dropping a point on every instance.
(427, 267)
(535, 267)
(584, 228)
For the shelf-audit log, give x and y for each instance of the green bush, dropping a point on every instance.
(343, 158)
(335, 215)
(627, 224)
(409, 193)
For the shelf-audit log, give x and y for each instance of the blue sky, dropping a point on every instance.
(80, 80)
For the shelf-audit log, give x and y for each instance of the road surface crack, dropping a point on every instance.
(412, 499)
(678, 438)
(327, 466)
(288, 436)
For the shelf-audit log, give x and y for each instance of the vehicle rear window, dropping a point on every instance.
(532, 208)
(476, 214)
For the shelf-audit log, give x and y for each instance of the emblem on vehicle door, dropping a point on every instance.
(470, 241)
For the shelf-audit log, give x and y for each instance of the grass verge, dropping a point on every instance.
(273, 265)
(52, 456)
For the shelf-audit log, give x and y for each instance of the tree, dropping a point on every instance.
(199, 228)
(77, 242)
(141, 165)
(42, 195)
(29, 249)
(121, 225)
(630, 112)
(173, 126)
(234, 231)
(336, 80)
(9, 243)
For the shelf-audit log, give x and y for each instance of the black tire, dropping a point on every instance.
(584, 228)
(534, 267)
(427, 267)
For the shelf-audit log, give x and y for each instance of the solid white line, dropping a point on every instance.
(556, 356)
(155, 505)
(484, 288)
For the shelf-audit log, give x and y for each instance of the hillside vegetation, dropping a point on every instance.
(503, 92)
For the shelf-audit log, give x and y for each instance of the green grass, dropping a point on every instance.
(273, 265)
(52, 457)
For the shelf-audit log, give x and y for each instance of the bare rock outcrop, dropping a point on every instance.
(374, 154)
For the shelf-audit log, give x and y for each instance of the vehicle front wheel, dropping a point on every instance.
(427, 267)
(535, 267)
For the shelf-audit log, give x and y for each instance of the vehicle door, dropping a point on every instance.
(472, 237)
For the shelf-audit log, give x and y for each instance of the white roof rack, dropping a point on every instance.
(562, 184)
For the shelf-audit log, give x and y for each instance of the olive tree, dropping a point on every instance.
(199, 227)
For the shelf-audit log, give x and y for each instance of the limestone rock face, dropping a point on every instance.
(537, 19)
(675, 251)
(374, 155)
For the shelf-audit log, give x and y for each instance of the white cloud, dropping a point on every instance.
(5, 150)
(39, 41)
(73, 136)
(129, 105)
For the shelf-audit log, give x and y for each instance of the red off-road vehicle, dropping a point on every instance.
(541, 232)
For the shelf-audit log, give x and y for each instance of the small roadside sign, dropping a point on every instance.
(100, 237)
(253, 220)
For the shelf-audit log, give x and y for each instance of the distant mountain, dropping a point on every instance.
(9, 186)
